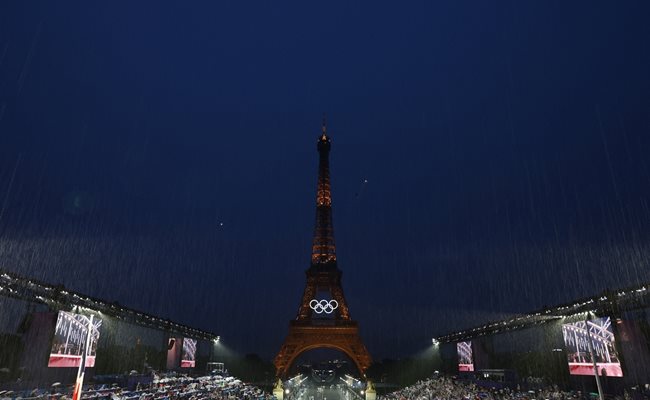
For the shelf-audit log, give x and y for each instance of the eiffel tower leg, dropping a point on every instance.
(305, 336)
(337, 294)
(304, 313)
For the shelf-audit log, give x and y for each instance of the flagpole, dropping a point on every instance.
(76, 395)
(593, 359)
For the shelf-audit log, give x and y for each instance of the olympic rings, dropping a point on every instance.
(323, 306)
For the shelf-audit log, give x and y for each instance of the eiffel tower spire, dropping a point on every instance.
(323, 249)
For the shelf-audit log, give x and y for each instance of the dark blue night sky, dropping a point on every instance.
(163, 155)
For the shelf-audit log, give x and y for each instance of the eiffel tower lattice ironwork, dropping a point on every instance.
(310, 330)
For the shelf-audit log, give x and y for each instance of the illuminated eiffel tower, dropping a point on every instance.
(310, 330)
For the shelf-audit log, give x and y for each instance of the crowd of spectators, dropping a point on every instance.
(162, 388)
(444, 388)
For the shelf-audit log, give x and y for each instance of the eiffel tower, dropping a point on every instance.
(323, 322)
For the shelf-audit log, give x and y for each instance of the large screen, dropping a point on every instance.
(70, 335)
(465, 357)
(603, 346)
(189, 353)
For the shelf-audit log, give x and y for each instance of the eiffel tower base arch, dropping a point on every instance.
(307, 335)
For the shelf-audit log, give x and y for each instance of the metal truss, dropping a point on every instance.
(59, 298)
(609, 303)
